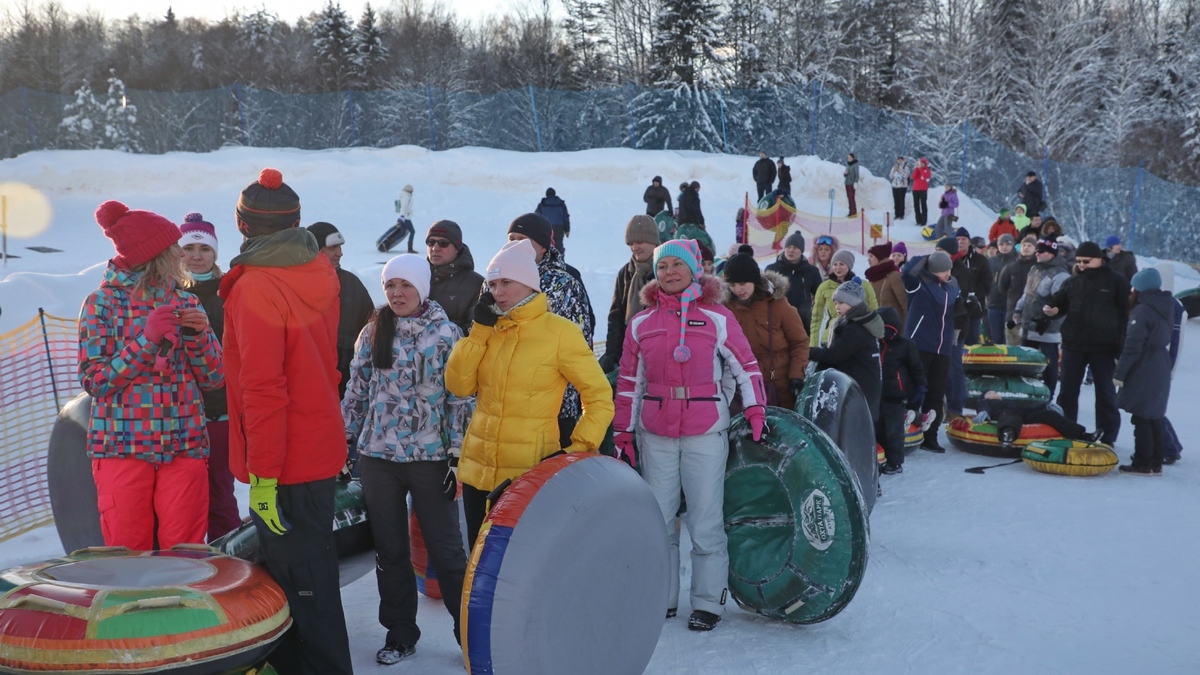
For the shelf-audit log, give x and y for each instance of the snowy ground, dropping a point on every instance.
(1008, 572)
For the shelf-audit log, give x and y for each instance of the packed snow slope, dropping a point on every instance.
(1007, 572)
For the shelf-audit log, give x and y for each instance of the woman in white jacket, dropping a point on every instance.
(404, 209)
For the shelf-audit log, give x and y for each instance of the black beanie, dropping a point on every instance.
(323, 231)
(949, 245)
(268, 205)
(742, 267)
(550, 192)
(535, 227)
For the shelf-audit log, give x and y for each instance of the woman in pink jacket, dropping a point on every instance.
(683, 358)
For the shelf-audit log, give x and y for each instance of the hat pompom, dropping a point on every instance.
(193, 217)
(270, 178)
(110, 212)
(682, 354)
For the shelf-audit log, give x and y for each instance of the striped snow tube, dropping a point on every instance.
(569, 573)
(1003, 360)
(427, 581)
(1065, 457)
(113, 610)
(1021, 391)
(913, 437)
(983, 439)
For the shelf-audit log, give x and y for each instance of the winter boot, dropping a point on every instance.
(702, 620)
(1139, 470)
(927, 419)
(672, 612)
(393, 653)
(888, 468)
(910, 416)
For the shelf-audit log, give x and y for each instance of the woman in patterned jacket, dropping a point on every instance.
(146, 352)
(408, 431)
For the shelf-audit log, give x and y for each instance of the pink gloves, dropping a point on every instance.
(624, 442)
(757, 418)
(162, 324)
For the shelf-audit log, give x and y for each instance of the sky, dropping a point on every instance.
(290, 10)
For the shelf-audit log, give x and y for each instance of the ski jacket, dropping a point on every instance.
(404, 413)
(455, 286)
(518, 371)
(554, 209)
(973, 275)
(1012, 283)
(851, 172)
(1096, 305)
(1001, 227)
(690, 398)
(206, 291)
(899, 175)
(355, 311)
(785, 179)
(566, 297)
(619, 311)
(1044, 281)
(854, 350)
(825, 312)
(921, 175)
(1123, 263)
(776, 335)
(139, 411)
(281, 322)
(950, 198)
(930, 320)
(404, 205)
(900, 359)
(689, 208)
(996, 297)
(803, 280)
(658, 199)
(763, 172)
(1144, 367)
(1032, 195)
(889, 289)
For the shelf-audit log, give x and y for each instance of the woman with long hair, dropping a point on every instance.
(822, 252)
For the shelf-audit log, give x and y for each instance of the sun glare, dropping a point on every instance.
(24, 210)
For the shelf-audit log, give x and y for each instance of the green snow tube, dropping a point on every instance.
(1023, 392)
(1003, 360)
(1191, 301)
(795, 519)
(834, 402)
(697, 232)
(665, 222)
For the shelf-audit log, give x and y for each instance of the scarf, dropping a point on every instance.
(633, 299)
(880, 271)
(689, 295)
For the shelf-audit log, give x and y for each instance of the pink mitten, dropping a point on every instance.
(757, 418)
(624, 442)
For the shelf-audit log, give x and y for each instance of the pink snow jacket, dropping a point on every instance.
(673, 399)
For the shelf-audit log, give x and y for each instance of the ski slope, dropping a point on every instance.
(1007, 572)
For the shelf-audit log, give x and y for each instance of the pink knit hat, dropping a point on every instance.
(197, 230)
(518, 262)
(137, 235)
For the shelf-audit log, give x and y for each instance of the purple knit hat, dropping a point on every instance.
(197, 230)
(688, 251)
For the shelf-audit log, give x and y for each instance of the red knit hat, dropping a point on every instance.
(137, 235)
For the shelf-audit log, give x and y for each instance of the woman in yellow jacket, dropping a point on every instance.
(824, 312)
(517, 362)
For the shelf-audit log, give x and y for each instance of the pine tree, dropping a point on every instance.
(369, 53)
(333, 47)
(687, 45)
(83, 121)
(120, 118)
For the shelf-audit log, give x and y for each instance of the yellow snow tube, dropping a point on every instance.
(1065, 457)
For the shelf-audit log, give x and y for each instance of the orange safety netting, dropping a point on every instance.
(38, 364)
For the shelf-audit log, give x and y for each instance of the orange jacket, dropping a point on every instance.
(1000, 227)
(285, 419)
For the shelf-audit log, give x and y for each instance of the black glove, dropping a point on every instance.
(797, 387)
(1041, 323)
(450, 483)
(609, 363)
(483, 310)
(1010, 324)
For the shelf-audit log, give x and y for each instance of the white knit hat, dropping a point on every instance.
(410, 267)
(518, 262)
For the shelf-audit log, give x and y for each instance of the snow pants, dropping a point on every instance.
(956, 382)
(1050, 374)
(996, 330)
(898, 201)
(937, 372)
(921, 207)
(132, 493)
(223, 514)
(386, 488)
(1147, 443)
(889, 430)
(850, 200)
(1103, 364)
(697, 465)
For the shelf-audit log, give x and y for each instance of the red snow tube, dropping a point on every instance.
(982, 439)
(427, 581)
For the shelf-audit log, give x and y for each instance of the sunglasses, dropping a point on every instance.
(438, 243)
(827, 241)
(1083, 261)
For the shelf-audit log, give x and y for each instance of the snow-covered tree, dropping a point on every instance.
(334, 47)
(369, 53)
(688, 49)
(120, 118)
(83, 121)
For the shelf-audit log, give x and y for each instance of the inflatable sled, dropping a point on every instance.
(768, 200)
(1191, 301)
(1022, 392)
(1066, 457)
(569, 573)
(188, 611)
(1003, 360)
(927, 233)
(665, 222)
(697, 232)
(795, 519)
(982, 439)
(913, 437)
(833, 401)
(77, 517)
(394, 235)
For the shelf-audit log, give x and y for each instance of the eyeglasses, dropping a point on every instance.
(1084, 261)
(438, 243)
(825, 239)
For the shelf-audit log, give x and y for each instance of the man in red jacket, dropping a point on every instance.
(286, 436)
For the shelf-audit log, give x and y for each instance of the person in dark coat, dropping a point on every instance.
(689, 205)
(1032, 194)
(854, 347)
(803, 277)
(641, 236)
(1012, 284)
(356, 304)
(785, 179)
(997, 301)
(1120, 261)
(657, 198)
(1095, 301)
(1143, 374)
(454, 284)
(554, 209)
(904, 387)
(1009, 417)
(932, 294)
(763, 174)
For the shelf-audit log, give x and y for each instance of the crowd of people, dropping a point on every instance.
(282, 373)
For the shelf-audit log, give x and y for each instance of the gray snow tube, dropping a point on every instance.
(834, 402)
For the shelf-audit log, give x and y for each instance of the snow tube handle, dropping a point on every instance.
(47, 604)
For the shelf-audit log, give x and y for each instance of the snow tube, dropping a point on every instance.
(927, 233)
(697, 232)
(796, 521)
(351, 533)
(1022, 392)
(665, 222)
(1191, 301)
(913, 438)
(1065, 457)
(188, 610)
(834, 402)
(569, 573)
(1003, 360)
(607, 446)
(982, 439)
(427, 581)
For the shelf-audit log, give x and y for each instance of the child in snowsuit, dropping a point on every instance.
(1010, 417)
(903, 389)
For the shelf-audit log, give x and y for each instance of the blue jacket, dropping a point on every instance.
(554, 209)
(930, 320)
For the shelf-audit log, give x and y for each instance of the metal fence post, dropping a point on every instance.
(907, 129)
(353, 122)
(812, 118)
(432, 128)
(633, 139)
(724, 135)
(237, 99)
(49, 358)
(536, 128)
(962, 179)
(1137, 198)
(28, 118)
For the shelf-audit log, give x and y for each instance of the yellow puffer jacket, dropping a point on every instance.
(518, 372)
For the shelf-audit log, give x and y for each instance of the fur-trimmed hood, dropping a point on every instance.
(713, 291)
(774, 286)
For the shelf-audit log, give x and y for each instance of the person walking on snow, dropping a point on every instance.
(454, 284)
(404, 209)
(921, 176)
(899, 177)
(287, 439)
(932, 294)
(657, 198)
(408, 432)
(684, 355)
(763, 174)
(852, 178)
(554, 209)
(641, 236)
(146, 356)
(200, 257)
(355, 302)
